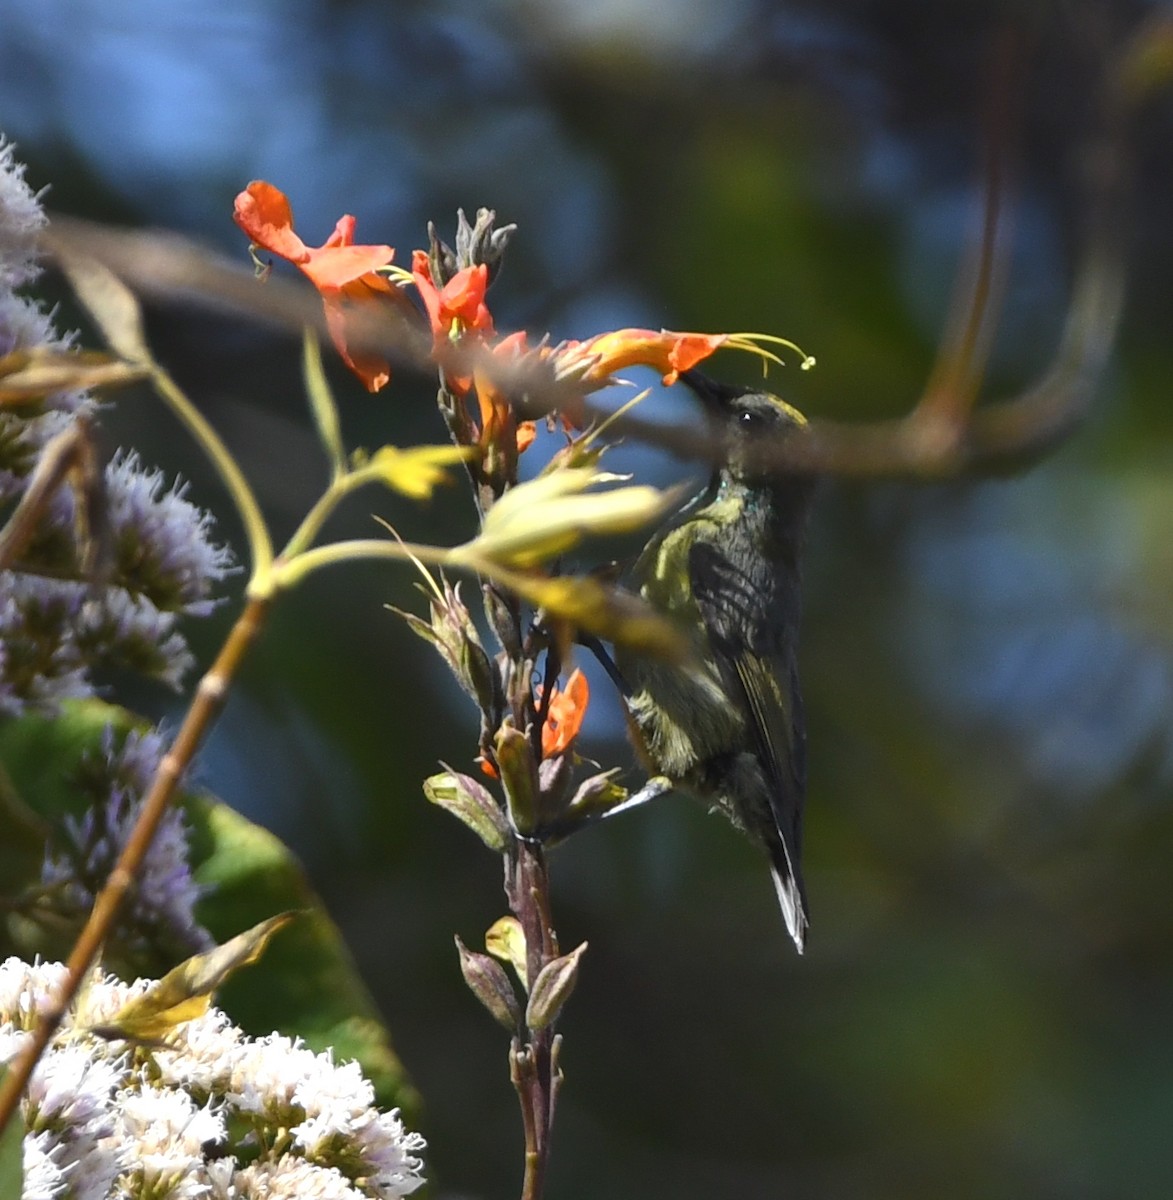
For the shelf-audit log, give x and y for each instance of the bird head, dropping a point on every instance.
(748, 421)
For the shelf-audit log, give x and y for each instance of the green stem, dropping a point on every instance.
(290, 571)
(259, 543)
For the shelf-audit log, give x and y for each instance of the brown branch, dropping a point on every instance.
(927, 443)
(66, 458)
(965, 344)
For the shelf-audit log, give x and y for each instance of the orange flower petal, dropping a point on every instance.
(690, 349)
(336, 266)
(670, 353)
(343, 234)
(263, 212)
(463, 299)
(375, 372)
(421, 272)
(565, 715)
(494, 408)
(345, 274)
(526, 432)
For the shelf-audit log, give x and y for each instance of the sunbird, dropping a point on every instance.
(727, 725)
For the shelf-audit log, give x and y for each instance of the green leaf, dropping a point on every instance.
(470, 803)
(544, 517)
(417, 470)
(602, 609)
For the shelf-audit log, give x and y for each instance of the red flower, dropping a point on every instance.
(565, 715)
(345, 274)
(456, 309)
(461, 299)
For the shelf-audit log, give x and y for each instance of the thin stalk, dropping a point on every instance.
(205, 707)
(259, 543)
(533, 1060)
(289, 571)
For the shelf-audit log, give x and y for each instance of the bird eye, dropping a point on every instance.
(749, 420)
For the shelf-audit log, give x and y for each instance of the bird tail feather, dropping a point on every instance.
(792, 902)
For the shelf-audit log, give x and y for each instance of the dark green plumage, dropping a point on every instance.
(728, 727)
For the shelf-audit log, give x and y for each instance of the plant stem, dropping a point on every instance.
(533, 1060)
(205, 707)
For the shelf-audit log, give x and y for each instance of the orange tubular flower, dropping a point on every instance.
(461, 299)
(344, 274)
(600, 357)
(497, 416)
(565, 715)
(564, 719)
(456, 309)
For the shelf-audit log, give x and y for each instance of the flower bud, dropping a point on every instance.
(503, 620)
(519, 777)
(488, 982)
(552, 989)
(470, 803)
(596, 795)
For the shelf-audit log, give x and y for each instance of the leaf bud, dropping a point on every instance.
(470, 803)
(488, 982)
(503, 620)
(519, 777)
(552, 989)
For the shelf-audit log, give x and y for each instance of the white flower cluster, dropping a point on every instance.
(209, 1115)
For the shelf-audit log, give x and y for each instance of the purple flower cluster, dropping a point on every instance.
(89, 590)
(161, 911)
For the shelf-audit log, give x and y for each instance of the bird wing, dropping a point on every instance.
(754, 653)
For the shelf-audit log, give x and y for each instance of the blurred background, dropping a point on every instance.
(984, 1007)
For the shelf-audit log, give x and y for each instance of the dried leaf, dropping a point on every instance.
(36, 374)
(186, 992)
(113, 306)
